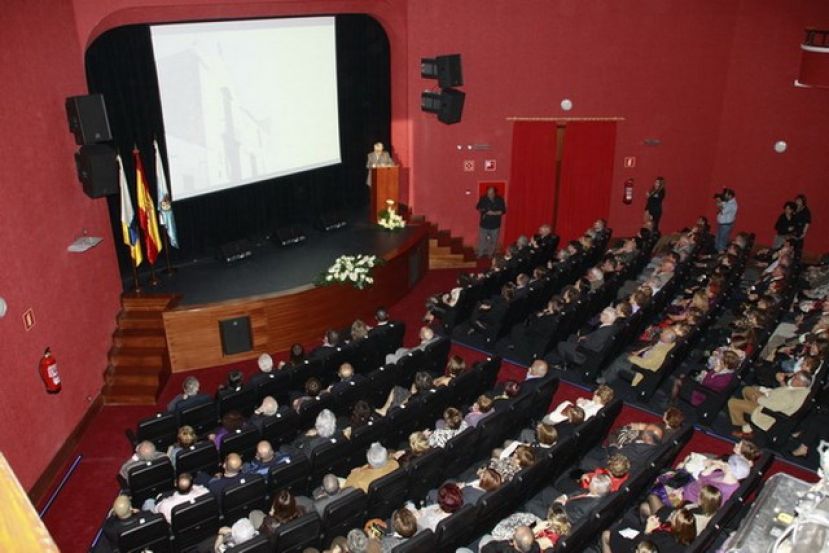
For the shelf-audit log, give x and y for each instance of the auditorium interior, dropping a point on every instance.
(656, 332)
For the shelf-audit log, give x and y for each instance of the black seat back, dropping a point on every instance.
(258, 544)
(281, 428)
(149, 479)
(330, 457)
(387, 493)
(201, 456)
(422, 542)
(203, 418)
(457, 529)
(425, 473)
(149, 532)
(292, 476)
(461, 451)
(194, 521)
(277, 384)
(381, 381)
(240, 499)
(243, 441)
(160, 429)
(343, 514)
(242, 399)
(294, 536)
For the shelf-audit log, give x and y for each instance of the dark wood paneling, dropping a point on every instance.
(281, 319)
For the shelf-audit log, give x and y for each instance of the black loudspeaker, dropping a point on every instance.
(88, 119)
(451, 106)
(238, 250)
(97, 170)
(329, 222)
(449, 70)
(235, 335)
(289, 236)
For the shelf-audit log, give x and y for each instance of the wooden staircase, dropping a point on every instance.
(139, 364)
(447, 251)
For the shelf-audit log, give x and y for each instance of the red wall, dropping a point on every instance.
(74, 296)
(710, 79)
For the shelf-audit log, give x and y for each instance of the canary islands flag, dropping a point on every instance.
(128, 228)
(146, 211)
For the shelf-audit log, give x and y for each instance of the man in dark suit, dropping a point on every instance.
(579, 507)
(325, 494)
(576, 349)
(382, 333)
(529, 339)
(231, 476)
(190, 396)
(347, 379)
(638, 452)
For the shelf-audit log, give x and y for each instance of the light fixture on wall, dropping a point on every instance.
(4, 307)
(780, 146)
(567, 104)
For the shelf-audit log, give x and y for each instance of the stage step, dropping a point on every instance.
(451, 254)
(139, 338)
(139, 364)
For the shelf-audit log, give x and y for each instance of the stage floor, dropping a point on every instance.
(274, 268)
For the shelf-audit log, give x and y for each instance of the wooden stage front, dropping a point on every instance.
(297, 315)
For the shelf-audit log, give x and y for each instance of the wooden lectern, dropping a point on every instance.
(385, 185)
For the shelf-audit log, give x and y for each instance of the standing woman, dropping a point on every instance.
(653, 206)
(802, 219)
(786, 226)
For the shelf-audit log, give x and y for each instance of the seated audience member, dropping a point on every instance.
(671, 536)
(185, 437)
(786, 400)
(450, 426)
(418, 446)
(347, 378)
(357, 541)
(648, 359)
(454, 367)
(234, 383)
(330, 342)
(512, 460)
(361, 415)
(404, 526)
(618, 468)
(326, 493)
(543, 437)
(313, 387)
(490, 312)
(266, 366)
(185, 491)
(265, 412)
(479, 410)
(359, 330)
(231, 422)
(144, 452)
(696, 388)
(121, 517)
(400, 396)
(284, 509)
(602, 396)
(530, 338)
(427, 336)
(522, 541)
(265, 459)
(190, 396)
(296, 356)
(228, 538)
(325, 429)
(449, 500)
(378, 465)
(629, 441)
(573, 416)
(488, 480)
(536, 372)
(230, 476)
(556, 526)
(579, 506)
(509, 390)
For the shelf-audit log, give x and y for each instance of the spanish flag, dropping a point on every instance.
(146, 211)
(128, 229)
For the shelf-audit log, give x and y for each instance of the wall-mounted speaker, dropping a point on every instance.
(236, 337)
(97, 170)
(448, 104)
(88, 119)
(446, 69)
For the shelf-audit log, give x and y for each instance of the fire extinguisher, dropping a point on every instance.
(628, 195)
(49, 372)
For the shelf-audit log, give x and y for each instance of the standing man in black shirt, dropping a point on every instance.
(802, 219)
(492, 208)
(653, 204)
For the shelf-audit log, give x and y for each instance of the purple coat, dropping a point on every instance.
(713, 381)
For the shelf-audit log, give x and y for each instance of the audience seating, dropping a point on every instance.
(259, 544)
(149, 533)
(422, 542)
(239, 500)
(195, 521)
(387, 493)
(294, 536)
(149, 479)
(243, 441)
(201, 456)
(343, 514)
(161, 429)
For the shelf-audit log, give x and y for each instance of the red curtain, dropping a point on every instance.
(532, 185)
(586, 177)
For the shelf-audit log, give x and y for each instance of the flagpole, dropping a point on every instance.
(153, 279)
(135, 282)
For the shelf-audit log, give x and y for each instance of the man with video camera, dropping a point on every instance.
(726, 215)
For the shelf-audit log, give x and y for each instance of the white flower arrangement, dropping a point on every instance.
(389, 219)
(351, 269)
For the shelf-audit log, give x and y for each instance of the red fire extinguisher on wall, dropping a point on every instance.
(49, 372)
(627, 198)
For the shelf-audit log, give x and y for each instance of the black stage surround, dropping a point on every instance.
(119, 65)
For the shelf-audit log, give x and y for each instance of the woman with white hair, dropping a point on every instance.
(379, 465)
(241, 531)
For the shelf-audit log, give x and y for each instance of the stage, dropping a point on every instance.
(273, 292)
(274, 268)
